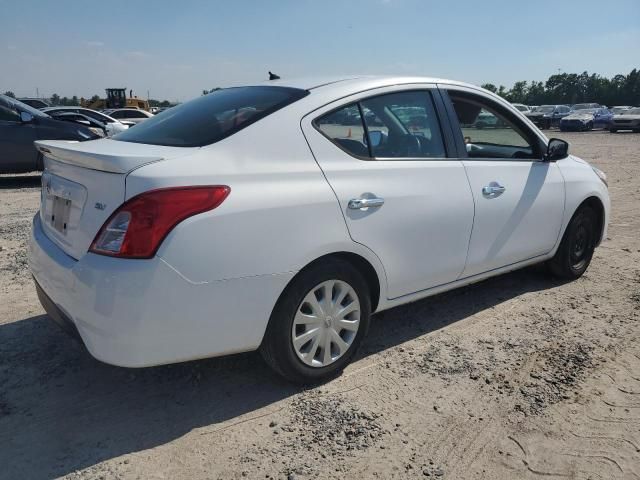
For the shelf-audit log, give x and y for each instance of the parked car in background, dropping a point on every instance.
(187, 236)
(112, 125)
(133, 115)
(620, 109)
(547, 116)
(34, 102)
(21, 125)
(92, 124)
(521, 107)
(487, 120)
(532, 108)
(584, 106)
(586, 119)
(627, 120)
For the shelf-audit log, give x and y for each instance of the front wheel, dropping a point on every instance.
(613, 130)
(318, 323)
(577, 246)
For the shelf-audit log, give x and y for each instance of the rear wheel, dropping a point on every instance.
(613, 130)
(577, 246)
(318, 323)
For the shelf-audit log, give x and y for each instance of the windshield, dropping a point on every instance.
(18, 105)
(546, 109)
(212, 117)
(522, 108)
(585, 111)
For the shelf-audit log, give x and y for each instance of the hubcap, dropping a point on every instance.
(326, 323)
(580, 248)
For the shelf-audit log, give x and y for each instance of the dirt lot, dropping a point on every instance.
(518, 377)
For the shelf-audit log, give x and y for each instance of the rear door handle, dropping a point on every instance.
(493, 190)
(362, 203)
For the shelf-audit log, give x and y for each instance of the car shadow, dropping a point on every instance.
(61, 410)
(20, 181)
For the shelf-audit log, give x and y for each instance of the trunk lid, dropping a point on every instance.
(83, 183)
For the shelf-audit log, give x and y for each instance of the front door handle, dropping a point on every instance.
(362, 203)
(493, 190)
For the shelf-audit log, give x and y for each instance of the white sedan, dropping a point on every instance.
(112, 125)
(280, 216)
(130, 115)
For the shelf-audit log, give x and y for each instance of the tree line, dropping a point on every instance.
(561, 88)
(571, 88)
(57, 101)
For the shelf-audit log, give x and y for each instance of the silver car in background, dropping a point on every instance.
(627, 120)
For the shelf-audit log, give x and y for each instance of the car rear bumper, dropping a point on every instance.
(137, 313)
(573, 125)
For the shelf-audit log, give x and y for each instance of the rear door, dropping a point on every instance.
(385, 156)
(519, 198)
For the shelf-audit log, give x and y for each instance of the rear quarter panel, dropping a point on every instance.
(281, 213)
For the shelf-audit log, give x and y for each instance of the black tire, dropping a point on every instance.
(577, 246)
(636, 130)
(613, 130)
(277, 346)
(40, 163)
(589, 126)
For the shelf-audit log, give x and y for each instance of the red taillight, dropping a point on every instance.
(138, 227)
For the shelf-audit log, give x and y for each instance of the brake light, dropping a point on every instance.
(138, 227)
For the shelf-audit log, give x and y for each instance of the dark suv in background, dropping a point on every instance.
(21, 125)
(547, 116)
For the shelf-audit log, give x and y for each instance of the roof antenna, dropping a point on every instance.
(273, 76)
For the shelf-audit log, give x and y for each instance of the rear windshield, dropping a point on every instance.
(210, 118)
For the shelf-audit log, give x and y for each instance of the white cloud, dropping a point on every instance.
(11, 47)
(94, 44)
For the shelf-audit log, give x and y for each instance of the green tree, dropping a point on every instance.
(55, 99)
(9, 93)
(489, 86)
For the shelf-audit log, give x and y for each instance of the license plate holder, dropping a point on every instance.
(60, 214)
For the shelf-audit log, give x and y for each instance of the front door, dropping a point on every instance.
(401, 196)
(519, 198)
(17, 153)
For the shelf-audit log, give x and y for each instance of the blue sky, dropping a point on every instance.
(174, 49)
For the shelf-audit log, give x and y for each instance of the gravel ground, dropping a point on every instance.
(519, 377)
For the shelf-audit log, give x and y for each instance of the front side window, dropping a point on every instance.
(212, 117)
(7, 113)
(392, 126)
(488, 131)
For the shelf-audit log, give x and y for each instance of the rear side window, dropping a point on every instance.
(344, 127)
(393, 126)
(134, 114)
(210, 118)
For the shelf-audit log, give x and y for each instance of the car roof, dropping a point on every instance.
(64, 107)
(356, 83)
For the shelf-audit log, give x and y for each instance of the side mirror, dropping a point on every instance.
(26, 117)
(556, 150)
